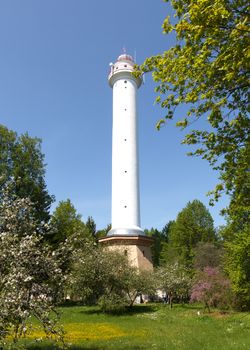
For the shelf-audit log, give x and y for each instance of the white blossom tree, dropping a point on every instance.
(30, 276)
(174, 279)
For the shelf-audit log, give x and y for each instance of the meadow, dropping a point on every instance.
(154, 326)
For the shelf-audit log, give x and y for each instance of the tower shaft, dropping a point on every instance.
(125, 161)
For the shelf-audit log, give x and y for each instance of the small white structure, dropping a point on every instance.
(126, 235)
(125, 162)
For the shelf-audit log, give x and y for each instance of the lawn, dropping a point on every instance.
(154, 327)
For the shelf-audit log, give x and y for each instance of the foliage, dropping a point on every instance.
(208, 71)
(159, 243)
(207, 254)
(212, 288)
(22, 161)
(174, 279)
(65, 222)
(194, 224)
(91, 226)
(156, 246)
(99, 275)
(237, 265)
(30, 277)
(103, 232)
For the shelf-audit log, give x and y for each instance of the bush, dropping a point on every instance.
(112, 303)
(212, 289)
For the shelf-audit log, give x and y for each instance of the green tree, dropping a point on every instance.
(66, 222)
(159, 243)
(156, 246)
(207, 254)
(91, 226)
(22, 161)
(165, 254)
(208, 72)
(194, 224)
(107, 278)
(237, 266)
(103, 233)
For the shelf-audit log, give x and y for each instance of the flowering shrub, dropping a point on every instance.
(30, 277)
(211, 288)
(174, 279)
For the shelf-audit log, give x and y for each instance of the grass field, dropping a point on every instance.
(153, 327)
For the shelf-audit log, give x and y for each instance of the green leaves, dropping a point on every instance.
(21, 159)
(208, 71)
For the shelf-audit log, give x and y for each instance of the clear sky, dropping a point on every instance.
(54, 62)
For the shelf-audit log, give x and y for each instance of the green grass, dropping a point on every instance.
(153, 327)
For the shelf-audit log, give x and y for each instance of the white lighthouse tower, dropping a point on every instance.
(125, 162)
(126, 234)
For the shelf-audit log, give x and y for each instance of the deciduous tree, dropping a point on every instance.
(208, 72)
(66, 222)
(194, 224)
(22, 161)
(30, 275)
(174, 279)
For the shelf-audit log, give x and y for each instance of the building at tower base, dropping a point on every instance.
(136, 248)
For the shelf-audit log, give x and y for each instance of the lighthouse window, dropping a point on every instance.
(125, 252)
(125, 65)
(125, 206)
(125, 139)
(125, 81)
(125, 109)
(125, 171)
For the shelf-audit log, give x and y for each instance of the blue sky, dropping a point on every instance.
(54, 63)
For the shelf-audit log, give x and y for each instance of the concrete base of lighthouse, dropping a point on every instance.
(137, 249)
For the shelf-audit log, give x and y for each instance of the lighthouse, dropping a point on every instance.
(126, 234)
(125, 161)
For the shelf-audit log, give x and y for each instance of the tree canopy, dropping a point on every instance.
(66, 222)
(208, 72)
(194, 224)
(22, 162)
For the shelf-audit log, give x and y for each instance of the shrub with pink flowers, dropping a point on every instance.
(211, 288)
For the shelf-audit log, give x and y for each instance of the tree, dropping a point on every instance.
(237, 266)
(208, 72)
(160, 240)
(106, 278)
(174, 279)
(207, 254)
(165, 254)
(211, 288)
(22, 161)
(30, 276)
(103, 232)
(65, 222)
(91, 226)
(156, 246)
(194, 224)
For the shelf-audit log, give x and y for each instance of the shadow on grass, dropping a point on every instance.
(134, 310)
(78, 347)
